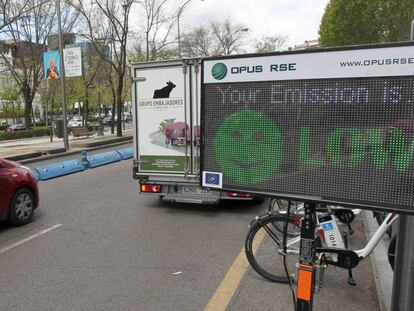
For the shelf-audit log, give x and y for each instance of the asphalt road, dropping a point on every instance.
(95, 244)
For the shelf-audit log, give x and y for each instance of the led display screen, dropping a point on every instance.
(345, 136)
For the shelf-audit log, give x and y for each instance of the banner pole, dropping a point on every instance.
(62, 79)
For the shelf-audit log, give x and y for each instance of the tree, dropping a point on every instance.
(396, 17)
(107, 23)
(87, 82)
(26, 40)
(347, 22)
(229, 36)
(157, 27)
(270, 44)
(13, 10)
(219, 39)
(199, 42)
(26, 43)
(10, 98)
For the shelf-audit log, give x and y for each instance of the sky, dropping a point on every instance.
(297, 19)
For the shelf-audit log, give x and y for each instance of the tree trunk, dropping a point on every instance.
(14, 114)
(86, 108)
(113, 113)
(147, 43)
(28, 99)
(119, 106)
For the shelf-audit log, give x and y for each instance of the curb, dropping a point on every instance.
(63, 154)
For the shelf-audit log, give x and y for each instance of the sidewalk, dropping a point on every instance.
(21, 149)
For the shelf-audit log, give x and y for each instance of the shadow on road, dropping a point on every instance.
(226, 206)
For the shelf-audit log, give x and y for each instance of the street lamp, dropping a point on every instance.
(62, 79)
(180, 11)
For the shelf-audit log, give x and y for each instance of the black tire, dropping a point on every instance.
(276, 205)
(264, 253)
(391, 251)
(21, 207)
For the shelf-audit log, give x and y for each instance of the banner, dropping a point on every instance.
(51, 65)
(73, 62)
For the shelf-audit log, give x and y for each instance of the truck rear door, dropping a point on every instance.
(163, 118)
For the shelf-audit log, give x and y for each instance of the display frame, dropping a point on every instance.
(288, 194)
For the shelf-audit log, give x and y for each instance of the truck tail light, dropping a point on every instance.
(150, 188)
(239, 195)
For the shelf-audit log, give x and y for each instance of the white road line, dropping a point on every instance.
(7, 248)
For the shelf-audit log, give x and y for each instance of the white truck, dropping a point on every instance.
(166, 113)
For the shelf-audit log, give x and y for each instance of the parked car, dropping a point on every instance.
(74, 123)
(16, 127)
(107, 120)
(127, 117)
(19, 195)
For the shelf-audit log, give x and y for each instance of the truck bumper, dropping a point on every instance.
(189, 193)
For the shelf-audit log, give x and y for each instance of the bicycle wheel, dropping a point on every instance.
(391, 251)
(276, 205)
(264, 249)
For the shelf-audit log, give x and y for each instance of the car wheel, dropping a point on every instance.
(22, 207)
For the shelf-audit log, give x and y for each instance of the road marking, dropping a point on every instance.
(231, 281)
(7, 248)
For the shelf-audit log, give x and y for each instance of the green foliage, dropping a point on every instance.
(348, 22)
(396, 16)
(10, 93)
(8, 113)
(34, 132)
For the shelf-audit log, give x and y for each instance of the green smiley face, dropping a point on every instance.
(248, 147)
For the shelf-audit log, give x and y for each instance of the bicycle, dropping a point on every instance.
(264, 243)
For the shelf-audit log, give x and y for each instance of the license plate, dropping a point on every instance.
(193, 190)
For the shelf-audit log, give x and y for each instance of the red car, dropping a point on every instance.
(19, 195)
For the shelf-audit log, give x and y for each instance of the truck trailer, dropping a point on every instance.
(166, 113)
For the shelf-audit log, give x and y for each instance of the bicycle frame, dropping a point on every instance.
(362, 253)
(372, 243)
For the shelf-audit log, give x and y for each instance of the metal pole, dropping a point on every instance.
(306, 270)
(403, 285)
(412, 31)
(47, 103)
(179, 36)
(180, 11)
(62, 78)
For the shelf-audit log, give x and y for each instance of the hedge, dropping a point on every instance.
(34, 132)
(38, 124)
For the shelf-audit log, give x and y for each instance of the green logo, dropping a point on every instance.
(219, 71)
(248, 147)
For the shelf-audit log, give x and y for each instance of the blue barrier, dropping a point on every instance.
(126, 153)
(103, 158)
(59, 169)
